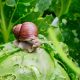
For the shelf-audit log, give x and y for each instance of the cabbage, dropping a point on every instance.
(21, 65)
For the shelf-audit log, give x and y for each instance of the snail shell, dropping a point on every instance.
(25, 31)
(16, 30)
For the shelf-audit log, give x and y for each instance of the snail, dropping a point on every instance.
(27, 36)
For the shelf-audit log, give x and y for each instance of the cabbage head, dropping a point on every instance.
(20, 65)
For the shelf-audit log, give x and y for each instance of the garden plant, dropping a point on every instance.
(39, 40)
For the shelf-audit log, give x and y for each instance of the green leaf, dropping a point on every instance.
(60, 7)
(42, 5)
(58, 73)
(10, 3)
(43, 24)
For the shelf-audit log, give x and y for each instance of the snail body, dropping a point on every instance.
(26, 33)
